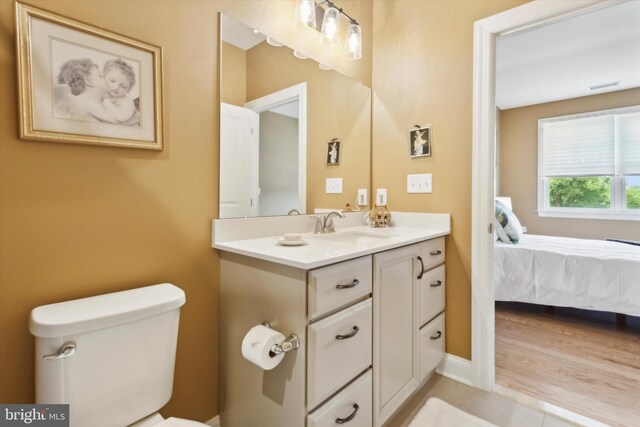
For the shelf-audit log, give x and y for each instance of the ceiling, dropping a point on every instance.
(238, 34)
(589, 54)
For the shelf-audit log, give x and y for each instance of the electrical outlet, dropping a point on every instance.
(419, 183)
(381, 196)
(334, 186)
(362, 197)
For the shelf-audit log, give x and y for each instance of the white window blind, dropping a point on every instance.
(577, 146)
(628, 144)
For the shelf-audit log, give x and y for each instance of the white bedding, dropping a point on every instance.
(565, 272)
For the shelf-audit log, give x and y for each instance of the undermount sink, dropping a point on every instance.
(352, 236)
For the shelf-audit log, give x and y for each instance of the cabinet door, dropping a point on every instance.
(352, 405)
(431, 346)
(338, 285)
(395, 320)
(431, 294)
(432, 252)
(339, 348)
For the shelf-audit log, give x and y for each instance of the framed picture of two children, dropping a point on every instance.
(84, 85)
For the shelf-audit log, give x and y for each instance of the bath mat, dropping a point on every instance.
(436, 413)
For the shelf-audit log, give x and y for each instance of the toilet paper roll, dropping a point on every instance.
(257, 344)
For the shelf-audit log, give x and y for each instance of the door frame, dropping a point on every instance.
(296, 92)
(529, 15)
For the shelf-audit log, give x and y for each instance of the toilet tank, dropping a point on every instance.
(122, 368)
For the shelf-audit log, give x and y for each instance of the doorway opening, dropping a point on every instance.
(485, 176)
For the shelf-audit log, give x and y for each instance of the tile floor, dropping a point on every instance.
(492, 407)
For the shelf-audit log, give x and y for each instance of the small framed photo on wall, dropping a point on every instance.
(333, 152)
(420, 141)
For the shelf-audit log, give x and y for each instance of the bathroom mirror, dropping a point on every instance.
(281, 115)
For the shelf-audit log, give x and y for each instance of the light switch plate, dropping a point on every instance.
(334, 185)
(420, 183)
(381, 196)
(362, 197)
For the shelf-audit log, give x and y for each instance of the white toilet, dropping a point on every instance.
(110, 357)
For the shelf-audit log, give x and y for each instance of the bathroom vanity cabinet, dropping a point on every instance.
(409, 335)
(371, 330)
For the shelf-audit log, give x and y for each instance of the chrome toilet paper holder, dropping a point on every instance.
(292, 342)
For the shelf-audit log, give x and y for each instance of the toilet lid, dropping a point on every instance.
(180, 422)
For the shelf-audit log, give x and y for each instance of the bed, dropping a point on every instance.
(566, 272)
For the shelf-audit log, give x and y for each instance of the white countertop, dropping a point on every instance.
(348, 242)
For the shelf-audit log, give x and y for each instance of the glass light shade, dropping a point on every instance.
(306, 12)
(299, 54)
(324, 67)
(353, 43)
(330, 24)
(274, 42)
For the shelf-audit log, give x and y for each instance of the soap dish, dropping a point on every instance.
(285, 242)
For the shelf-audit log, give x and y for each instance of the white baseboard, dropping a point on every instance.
(456, 368)
(213, 422)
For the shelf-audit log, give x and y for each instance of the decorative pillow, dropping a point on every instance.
(508, 222)
(499, 232)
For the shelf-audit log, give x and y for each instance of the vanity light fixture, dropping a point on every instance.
(299, 54)
(306, 12)
(274, 42)
(330, 29)
(324, 67)
(353, 44)
(330, 25)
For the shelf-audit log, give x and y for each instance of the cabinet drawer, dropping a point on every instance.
(338, 285)
(339, 348)
(432, 252)
(352, 405)
(431, 294)
(431, 346)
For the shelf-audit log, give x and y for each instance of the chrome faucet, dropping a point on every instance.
(327, 226)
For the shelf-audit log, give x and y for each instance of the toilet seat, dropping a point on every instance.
(180, 422)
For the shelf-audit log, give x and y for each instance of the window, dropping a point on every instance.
(589, 165)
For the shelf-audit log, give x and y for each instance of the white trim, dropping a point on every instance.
(549, 408)
(626, 215)
(482, 299)
(214, 422)
(283, 96)
(456, 368)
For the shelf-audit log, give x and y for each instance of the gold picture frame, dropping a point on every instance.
(333, 152)
(420, 141)
(81, 84)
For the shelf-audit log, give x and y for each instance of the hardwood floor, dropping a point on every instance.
(588, 366)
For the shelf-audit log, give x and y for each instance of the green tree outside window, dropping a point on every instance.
(592, 192)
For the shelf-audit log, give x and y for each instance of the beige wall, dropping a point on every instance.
(77, 221)
(336, 107)
(278, 163)
(422, 74)
(519, 166)
(233, 75)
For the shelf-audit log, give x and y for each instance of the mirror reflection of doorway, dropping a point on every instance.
(263, 155)
(278, 160)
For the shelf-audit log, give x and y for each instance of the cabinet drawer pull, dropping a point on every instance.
(353, 284)
(436, 336)
(435, 285)
(421, 267)
(349, 335)
(436, 253)
(349, 417)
